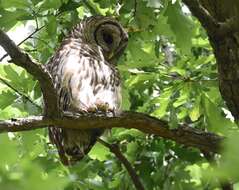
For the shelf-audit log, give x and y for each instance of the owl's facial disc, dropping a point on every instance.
(110, 38)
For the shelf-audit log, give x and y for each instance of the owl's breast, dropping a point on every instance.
(89, 82)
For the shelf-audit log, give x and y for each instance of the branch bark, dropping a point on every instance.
(187, 136)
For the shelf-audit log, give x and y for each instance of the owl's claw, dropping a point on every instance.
(101, 108)
(92, 110)
(104, 108)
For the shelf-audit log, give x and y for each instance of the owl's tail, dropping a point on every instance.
(73, 145)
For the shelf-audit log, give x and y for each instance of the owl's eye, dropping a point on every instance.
(108, 38)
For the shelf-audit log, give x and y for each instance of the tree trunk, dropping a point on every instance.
(220, 20)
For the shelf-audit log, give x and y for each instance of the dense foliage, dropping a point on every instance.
(169, 72)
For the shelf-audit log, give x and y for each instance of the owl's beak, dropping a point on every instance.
(111, 55)
(114, 56)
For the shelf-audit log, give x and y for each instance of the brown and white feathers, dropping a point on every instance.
(86, 77)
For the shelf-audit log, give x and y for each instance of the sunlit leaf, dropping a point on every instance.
(99, 152)
(181, 25)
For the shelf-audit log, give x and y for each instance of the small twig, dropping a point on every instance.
(114, 148)
(37, 25)
(135, 8)
(41, 40)
(20, 93)
(28, 37)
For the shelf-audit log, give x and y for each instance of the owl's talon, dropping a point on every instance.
(92, 110)
(83, 111)
(104, 107)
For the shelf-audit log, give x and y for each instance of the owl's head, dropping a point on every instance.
(105, 32)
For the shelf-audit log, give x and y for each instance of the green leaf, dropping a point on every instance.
(144, 15)
(34, 174)
(13, 75)
(52, 26)
(162, 27)
(229, 167)
(154, 3)
(125, 100)
(99, 152)
(9, 153)
(181, 25)
(132, 149)
(183, 98)
(69, 6)
(6, 99)
(9, 18)
(50, 4)
(173, 124)
(140, 78)
(35, 2)
(15, 3)
(163, 101)
(216, 121)
(31, 146)
(195, 112)
(229, 163)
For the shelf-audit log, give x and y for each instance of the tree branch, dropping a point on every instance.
(114, 148)
(188, 136)
(199, 11)
(215, 28)
(38, 71)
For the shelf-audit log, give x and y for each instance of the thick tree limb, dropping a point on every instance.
(38, 71)
(199, 11)
(214, 27)
(114, 148)
(188, 136)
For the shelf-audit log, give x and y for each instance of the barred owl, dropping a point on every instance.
(85, 76)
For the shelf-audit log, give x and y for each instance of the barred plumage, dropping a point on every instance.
(85, 76)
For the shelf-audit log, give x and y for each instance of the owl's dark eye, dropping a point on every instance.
(108, 38)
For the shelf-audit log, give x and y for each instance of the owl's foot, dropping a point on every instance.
(104, 107)
(101, 108)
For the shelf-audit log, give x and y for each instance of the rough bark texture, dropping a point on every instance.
(220, 20)
(205, 141)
